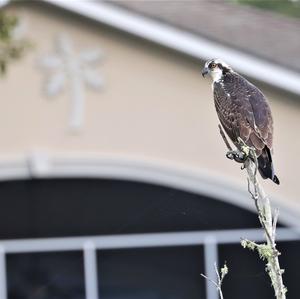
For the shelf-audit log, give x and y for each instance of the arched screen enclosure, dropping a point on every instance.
(150, 241)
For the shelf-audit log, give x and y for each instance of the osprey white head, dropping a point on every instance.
(216, 68)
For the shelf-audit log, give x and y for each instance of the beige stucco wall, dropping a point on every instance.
(155, 105)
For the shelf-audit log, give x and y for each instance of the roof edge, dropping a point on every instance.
(184, 42)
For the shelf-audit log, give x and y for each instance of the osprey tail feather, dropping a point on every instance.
(265, 166)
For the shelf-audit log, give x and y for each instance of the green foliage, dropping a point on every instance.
(7, 24)
(287, 7)
(10, 48)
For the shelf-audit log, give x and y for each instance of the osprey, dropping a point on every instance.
(244, 113)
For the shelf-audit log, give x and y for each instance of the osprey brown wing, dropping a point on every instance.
(244, 112)
(262, 116)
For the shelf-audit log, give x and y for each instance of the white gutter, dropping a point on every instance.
(184, 42)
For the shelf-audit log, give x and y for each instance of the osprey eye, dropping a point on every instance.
(213, 65)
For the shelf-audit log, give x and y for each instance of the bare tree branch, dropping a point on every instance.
(221, 275)
(268, 251)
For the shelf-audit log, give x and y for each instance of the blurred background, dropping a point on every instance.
(114, 182)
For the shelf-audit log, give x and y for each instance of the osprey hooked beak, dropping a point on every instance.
(205, 71)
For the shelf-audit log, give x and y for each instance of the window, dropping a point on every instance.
(162, 265)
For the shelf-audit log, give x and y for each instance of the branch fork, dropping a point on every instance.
(220, 275)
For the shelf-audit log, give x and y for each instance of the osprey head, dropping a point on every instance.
(216, 68)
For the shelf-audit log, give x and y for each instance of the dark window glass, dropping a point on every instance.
(248, 279)
(73, 207)
(162, 273)
(56, 275)
(51, 208)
